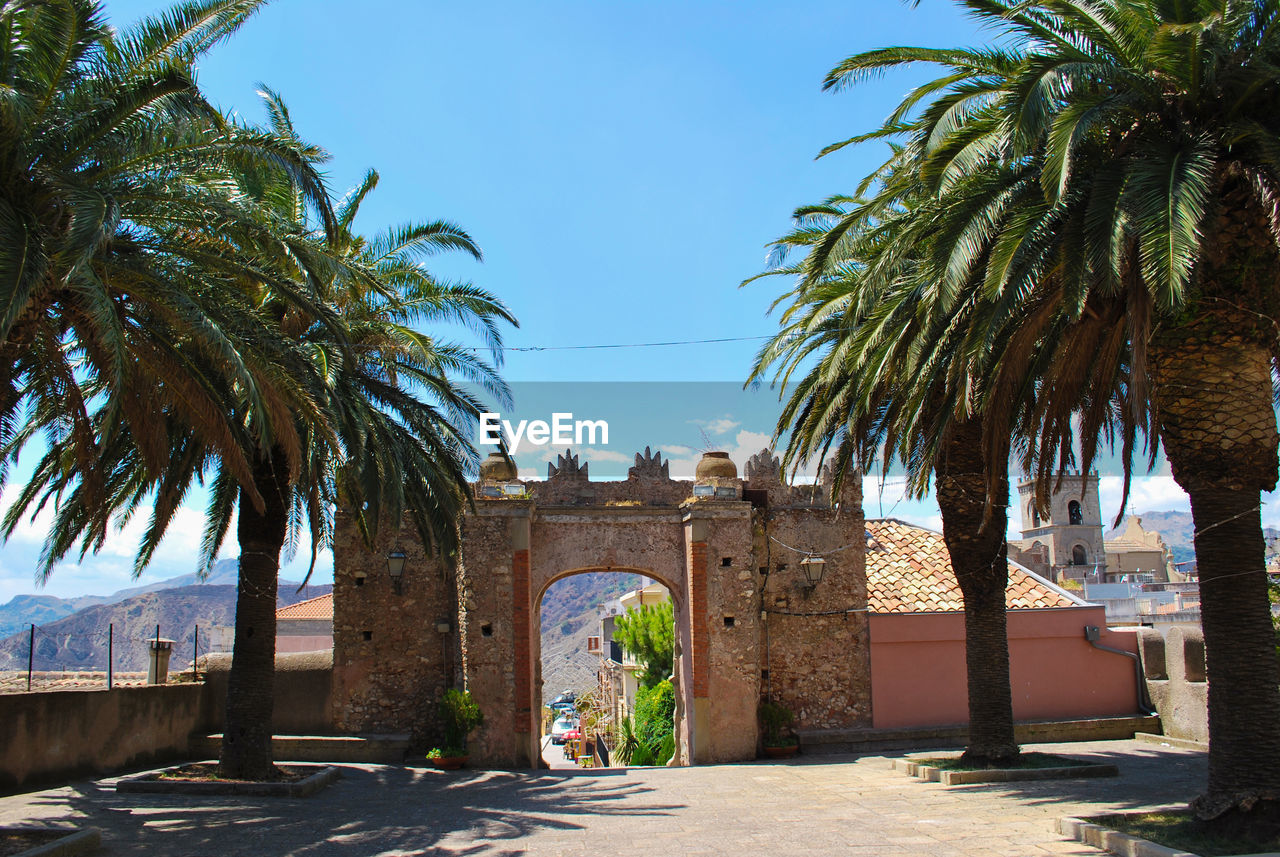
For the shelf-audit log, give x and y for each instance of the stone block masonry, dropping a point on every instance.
(747, 624)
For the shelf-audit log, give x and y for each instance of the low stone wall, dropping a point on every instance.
(304, 687)
(55, 736)
(58, 735)
(1176, 682)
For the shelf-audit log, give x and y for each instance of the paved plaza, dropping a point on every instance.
(849, 805)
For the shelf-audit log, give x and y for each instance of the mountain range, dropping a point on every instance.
(72, 633)
(1178, 531)
(570, 614)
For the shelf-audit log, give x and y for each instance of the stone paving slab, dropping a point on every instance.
(851, 805)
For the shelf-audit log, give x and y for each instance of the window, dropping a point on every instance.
(1078, 556)
(1074, 516)
(1033, 514)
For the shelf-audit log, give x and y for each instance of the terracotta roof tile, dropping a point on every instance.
(909, 571)
(312, 608)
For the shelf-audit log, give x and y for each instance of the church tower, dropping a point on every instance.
(1068, 540)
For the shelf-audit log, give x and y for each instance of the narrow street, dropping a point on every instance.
(553, 755)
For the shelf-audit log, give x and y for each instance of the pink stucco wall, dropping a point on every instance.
(918, 670)
(288, 643)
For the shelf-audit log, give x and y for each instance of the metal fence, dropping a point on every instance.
(104, 658)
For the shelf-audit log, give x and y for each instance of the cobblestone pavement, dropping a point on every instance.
(848, 805)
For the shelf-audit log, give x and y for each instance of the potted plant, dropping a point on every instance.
(459, 714)
(775, 724)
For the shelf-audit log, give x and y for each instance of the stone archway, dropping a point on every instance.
(572, 540)
(726, 548)
(680, 603)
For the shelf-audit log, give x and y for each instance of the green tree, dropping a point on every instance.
(384, 433)
(882, 362)
(649, 733)
(1128, 150)
(114, 287)
(648, 633)
(392, 441)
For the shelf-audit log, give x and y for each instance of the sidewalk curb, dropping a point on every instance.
(1113, 840)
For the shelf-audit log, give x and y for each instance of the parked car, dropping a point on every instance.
(560, 727)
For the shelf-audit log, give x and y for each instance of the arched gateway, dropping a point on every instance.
(749, 621)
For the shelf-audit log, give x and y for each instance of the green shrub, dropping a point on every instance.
(459, 714)
(649, 736)
(775, 723)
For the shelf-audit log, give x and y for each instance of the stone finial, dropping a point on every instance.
(650, 465)
(764, 468)
(567, 467)
(497, 467)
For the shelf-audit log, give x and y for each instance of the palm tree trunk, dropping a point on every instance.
(979, 556)
(246, 740)
(1212, 390)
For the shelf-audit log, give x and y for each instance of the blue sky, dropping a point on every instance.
(623, 165)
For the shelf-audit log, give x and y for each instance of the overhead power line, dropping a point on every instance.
(632, 344)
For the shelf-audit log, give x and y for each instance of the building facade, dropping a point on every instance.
(735, 554)
(1064, 541)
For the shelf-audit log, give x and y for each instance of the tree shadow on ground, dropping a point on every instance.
(1169, 776)
(371, 810)
(1149, 775)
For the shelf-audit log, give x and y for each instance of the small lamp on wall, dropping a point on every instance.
(395, 568)
(813, 567)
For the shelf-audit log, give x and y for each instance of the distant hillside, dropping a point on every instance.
(1178, 530)
(570, 614)
(23, 610)
(79, 641)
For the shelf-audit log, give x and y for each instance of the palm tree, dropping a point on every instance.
(393, 440)
(881, 358)
(112, 169)
(1131, 151)
(219, 334)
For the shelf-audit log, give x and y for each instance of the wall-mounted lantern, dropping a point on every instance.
(813, 567)
(395, 568)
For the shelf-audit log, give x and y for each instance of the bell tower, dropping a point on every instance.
(1070, 530)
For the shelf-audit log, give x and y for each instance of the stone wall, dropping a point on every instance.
(303, 693)
(817, 644)
(740, 607)
(725, 632)
(56, 736)
(390, 663)
(1174, 669)
(495, 556)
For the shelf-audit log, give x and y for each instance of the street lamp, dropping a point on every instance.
(813, 566)
(395, 568)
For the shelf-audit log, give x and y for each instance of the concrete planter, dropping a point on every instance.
(1114, 841)
(72, 842)
(150, 783)
(932, 774)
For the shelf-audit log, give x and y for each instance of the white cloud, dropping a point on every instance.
(111, 568)
(1146, 494)
(592, 453)
(744, 445)
(717, 426)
